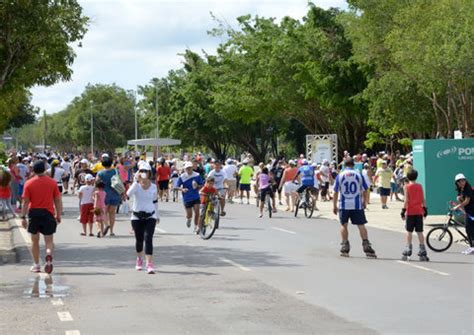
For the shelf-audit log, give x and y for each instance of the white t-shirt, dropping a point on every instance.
(230, 170)
(87, 192)
(219, 178)
(67, 167)
(58, 174)
(144, 200)
(324, 173)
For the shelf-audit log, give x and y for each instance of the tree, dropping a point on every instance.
(35, 47)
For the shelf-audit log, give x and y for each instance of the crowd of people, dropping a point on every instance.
(31, 185)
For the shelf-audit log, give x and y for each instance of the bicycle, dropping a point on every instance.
(309, 203)
(210, 217)
(441, 233)
(267, 202)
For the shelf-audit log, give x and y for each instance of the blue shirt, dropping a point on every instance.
(106, 177)
(186, 181)
(307, 175)
(350, 184)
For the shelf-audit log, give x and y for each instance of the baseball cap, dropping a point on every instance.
(84, 161)
(89, 177)
(229, 161)
(291, 162)
(305, 162)
(459, 176)
(106, 155)
(245, 161)
(144, 166)
(188, 165)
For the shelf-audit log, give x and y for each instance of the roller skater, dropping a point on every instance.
(422, 254)
(413, 212)
(406, 255)
(351, 206)
(345, 248)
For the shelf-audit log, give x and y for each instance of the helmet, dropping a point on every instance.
(229, 161)
(305, 162)
(459, 176)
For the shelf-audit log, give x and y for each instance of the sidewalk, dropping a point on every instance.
(7, 248)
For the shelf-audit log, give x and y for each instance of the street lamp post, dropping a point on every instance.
(136, 118)
(92, 129)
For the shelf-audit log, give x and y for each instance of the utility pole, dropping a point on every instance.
(45, 131)
(91, 102)
(136, 117)
(157, 113)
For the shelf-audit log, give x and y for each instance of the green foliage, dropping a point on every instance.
(35, 48)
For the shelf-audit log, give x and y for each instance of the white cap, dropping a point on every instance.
(245, 161)
(89, 177)
(84, 161)
(291, 162)
(144, 166)
(384, 162)
(188, 165)
(229, 161)
(106, 155)
(459, 176)
(314, 164)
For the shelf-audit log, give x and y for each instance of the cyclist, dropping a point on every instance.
(206, 192)
(189, 183)
(466, 199)
(220, 178)
(264, 185)
(306, 177)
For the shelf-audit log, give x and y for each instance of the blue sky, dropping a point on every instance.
(131, 41)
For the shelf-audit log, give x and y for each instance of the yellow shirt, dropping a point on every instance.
(97, 167)
(384, 176)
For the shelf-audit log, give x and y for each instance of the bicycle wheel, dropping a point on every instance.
(269, 206)
(309, 209)
(439, 239)
(297, 206)
(209, 222)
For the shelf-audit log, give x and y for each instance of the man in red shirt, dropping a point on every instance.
(42, 202)
(163, 173)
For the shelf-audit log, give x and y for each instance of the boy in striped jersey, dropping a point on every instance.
(349, 203)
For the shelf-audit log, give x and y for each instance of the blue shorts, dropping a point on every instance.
(357, 216)
(112, 199)
(244, 187)
(393, 187)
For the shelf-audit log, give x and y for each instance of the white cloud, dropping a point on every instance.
(130, 42)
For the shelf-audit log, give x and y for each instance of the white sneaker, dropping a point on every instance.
(248, 202)
(241, 202)
(468, 251)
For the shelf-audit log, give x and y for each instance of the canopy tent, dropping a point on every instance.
(156, 142)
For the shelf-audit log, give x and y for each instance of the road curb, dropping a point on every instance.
(7, 247)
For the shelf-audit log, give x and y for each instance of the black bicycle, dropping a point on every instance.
(440, 238)
(309, 203)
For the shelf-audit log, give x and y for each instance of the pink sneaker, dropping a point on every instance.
(48, 267)
(139, 264)
(35, 268)
(149, 268)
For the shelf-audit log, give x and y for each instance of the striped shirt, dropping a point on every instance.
(350, 185)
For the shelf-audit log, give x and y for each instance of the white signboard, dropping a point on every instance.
(320, 147)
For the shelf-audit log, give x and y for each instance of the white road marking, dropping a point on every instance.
(423, 268)
(73, 332)
(65, 316)
(284, 230)
(241, 267)
(161, 231)
(57, 302)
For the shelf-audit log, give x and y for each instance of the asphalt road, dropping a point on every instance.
(255, 276)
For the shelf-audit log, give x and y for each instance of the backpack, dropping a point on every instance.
(116, 183)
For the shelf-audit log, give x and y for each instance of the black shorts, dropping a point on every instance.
(414, 223)
(66, 179)
(163, 184)
(275, 187)
(324, 188)
(385, 192)
(192, 203)
(245, 187)
(41, 221)
(357, 216)
(264, 192)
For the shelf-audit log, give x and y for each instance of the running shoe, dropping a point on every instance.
(106, 230)
(188, 223)
(468, 251)
(48, 267)
(139, 264)
(35, 268)
(150, 268)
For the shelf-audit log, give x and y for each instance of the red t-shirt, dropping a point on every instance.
(415, 199)
(163, 173)
(206, 191)
(41, 192)
(5, 192)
